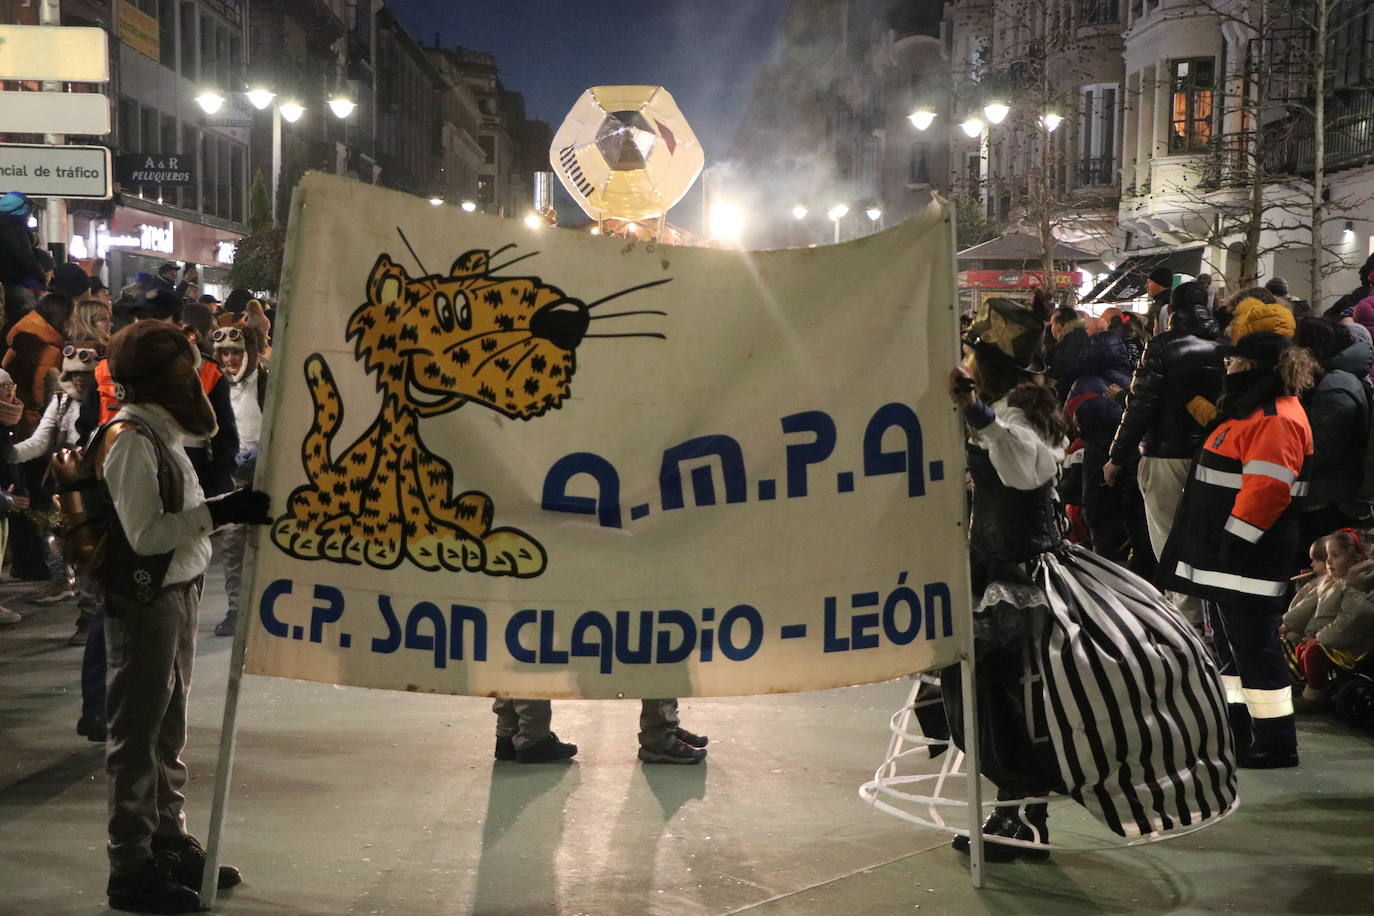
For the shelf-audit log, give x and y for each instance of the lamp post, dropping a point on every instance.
(260, 97)
(836, 213)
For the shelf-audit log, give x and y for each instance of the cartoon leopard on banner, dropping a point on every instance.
(435, 343)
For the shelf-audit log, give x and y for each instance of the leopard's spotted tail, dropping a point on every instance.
(327, 416)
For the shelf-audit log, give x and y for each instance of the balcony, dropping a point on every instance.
(1290, 144)
(1096, 172)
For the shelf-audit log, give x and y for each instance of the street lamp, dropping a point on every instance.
(291, 110)
(1050, 120)
(836, 213)
(210, 101)
(435, 201)
(874, 214)
(260, 97)
(996, 112)
(972, 127)
(726, 222)
(342, 106)
(922, 118)
(468, 206)
(533, 221)
(799, 212)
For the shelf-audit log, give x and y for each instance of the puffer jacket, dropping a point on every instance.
(1352, 630)
(1314, 606)
(1337, 408)
(1081, 355)
(1177, 366)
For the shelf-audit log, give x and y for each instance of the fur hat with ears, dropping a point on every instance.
(84, 358)
(153, 362)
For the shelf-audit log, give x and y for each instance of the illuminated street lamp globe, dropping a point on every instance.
(626, 152)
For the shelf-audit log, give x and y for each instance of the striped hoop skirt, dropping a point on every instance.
(1122, 707)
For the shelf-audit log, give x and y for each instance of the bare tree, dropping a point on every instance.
(1262, 174)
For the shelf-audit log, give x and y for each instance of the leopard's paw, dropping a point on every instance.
(339, 545)
(513, 553)
(296, 539)
(382, 552)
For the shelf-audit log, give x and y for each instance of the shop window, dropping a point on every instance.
(1193, 88)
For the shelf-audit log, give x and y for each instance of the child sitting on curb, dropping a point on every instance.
(1331, 620)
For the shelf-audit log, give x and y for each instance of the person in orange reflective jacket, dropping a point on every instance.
(1237, 534)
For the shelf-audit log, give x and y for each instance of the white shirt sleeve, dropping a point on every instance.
(1022, 459)
(131, 474)
(43, 434)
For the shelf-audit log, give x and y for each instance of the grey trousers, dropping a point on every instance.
(527, 721)
(1161, 484)
(150, 648)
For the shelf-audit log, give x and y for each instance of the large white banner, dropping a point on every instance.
(540, 463)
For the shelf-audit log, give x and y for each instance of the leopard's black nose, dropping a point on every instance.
(562, 323)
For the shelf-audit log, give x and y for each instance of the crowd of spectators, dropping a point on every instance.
(56, 322)
(1151, 399)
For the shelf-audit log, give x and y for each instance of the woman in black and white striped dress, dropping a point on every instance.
(1090, 684)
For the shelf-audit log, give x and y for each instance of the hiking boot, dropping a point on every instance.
(546, 751)
(505, 748)
(184, 859)
(1008, 822)
(678, 751)
(687, 737)
(226, 626)
(151, 889)
(8, 617)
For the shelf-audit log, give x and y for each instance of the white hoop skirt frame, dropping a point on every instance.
(1136, 715)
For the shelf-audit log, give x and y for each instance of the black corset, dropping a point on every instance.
(1008, 525)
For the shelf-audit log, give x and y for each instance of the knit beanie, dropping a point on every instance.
(70, 279)
(1364, 313)
(15, 205)
(1278, 286)
(1163, 276)
(1253, 316)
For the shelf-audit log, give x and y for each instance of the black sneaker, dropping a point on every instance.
(687, 737)
(677, 752)
(90, 730)
(546, 751)
(150, 889)
(505, 748)
(226, 626)
(1008, 822)
(184, 858)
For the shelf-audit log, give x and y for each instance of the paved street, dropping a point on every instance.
(351, 801)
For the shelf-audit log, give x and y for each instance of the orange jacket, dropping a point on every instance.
(35, 349)
(1236, 531)
(104, 382)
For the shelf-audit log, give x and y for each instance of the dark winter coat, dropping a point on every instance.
(1080, 355)
(17, 261)
(1177, 366)
(1337, 408)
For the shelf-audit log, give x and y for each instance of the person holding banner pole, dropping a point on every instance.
(156, 550)
(1088, 683)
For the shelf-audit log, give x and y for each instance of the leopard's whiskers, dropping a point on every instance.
(626, 292)
(623, 314)
(645, 334)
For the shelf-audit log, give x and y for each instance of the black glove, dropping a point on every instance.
(241, 507)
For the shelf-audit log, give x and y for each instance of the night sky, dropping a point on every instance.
(705, 52)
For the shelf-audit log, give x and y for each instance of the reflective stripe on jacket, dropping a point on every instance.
(1236, 531)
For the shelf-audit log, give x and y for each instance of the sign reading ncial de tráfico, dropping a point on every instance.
(38, 170)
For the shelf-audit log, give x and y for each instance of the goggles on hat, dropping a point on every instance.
(84, 354)
(227, 335)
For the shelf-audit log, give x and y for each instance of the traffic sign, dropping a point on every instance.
(38, 170)
(85, 113)
(72, 54)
